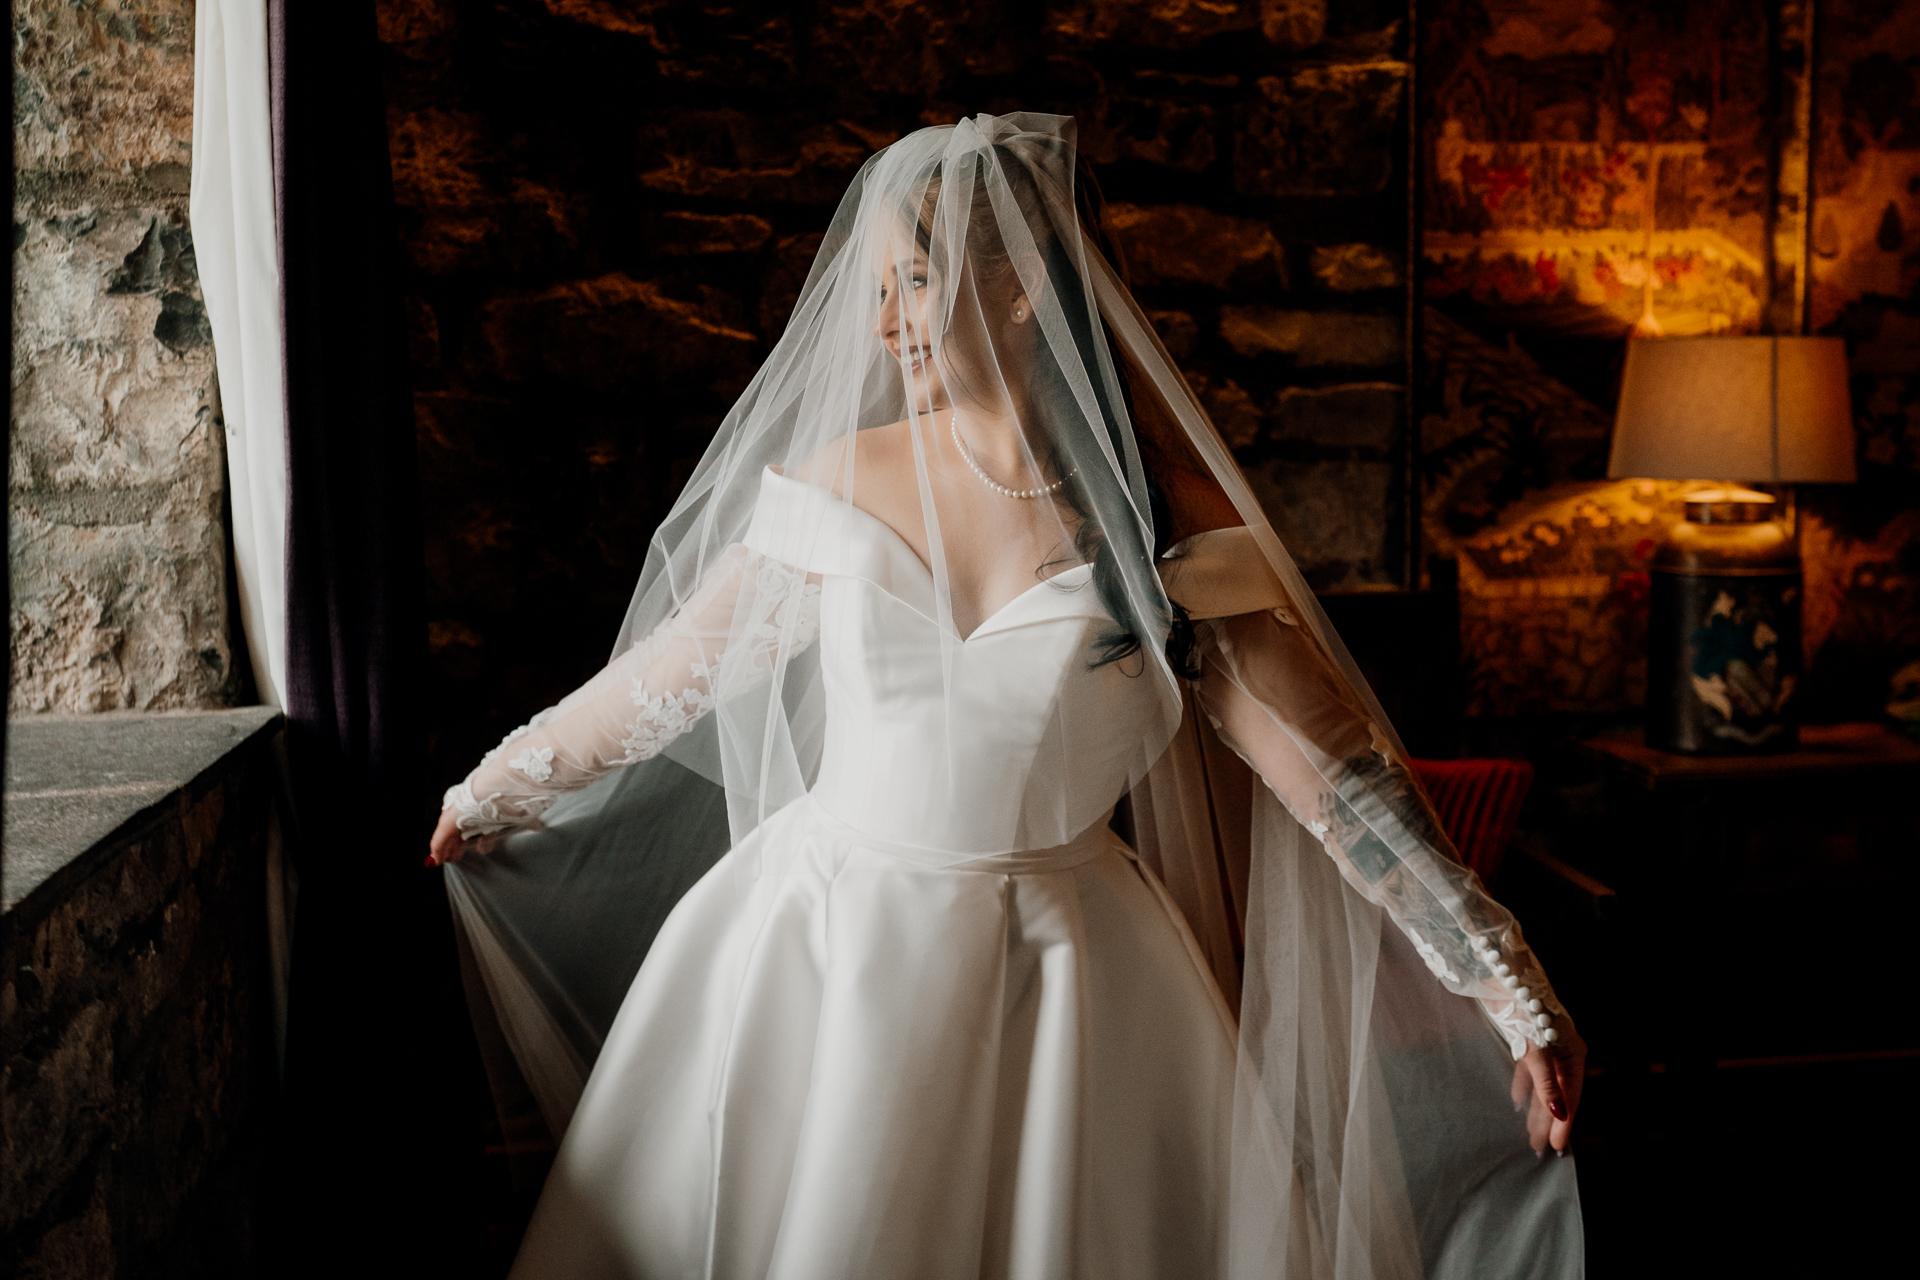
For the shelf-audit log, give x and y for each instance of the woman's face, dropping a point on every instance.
(908, 303)
(977, 341)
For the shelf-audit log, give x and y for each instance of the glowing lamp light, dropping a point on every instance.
(1723, 635)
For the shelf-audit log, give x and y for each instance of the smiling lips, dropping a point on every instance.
(915, 359)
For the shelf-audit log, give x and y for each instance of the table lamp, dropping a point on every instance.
(1723, 636)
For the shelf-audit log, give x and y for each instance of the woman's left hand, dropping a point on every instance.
(1558, 1071)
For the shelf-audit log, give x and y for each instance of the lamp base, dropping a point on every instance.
(1723, 634)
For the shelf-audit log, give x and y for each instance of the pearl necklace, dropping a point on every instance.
(987, 480)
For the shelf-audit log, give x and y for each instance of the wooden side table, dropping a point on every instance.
(1845, 804)
(1731, 866)
(1828, 752)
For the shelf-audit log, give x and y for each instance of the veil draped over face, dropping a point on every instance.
(965, 374)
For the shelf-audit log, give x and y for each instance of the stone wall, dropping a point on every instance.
(609, 207)
(116, 470)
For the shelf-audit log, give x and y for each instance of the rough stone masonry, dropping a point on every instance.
(116, 467)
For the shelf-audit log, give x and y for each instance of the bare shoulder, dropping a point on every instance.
(881, 450)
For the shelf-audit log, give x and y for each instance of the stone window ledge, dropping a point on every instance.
(75, 782)
(137, 992)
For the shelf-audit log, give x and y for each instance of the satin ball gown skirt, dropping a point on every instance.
(838, 1063)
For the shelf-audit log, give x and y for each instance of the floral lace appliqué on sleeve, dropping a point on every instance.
(752, 613)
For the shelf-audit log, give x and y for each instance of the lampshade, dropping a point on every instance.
(1756, 409)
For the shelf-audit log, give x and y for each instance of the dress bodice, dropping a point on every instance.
(1007, 740)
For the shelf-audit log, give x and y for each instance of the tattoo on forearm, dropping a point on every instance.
(1371, 856)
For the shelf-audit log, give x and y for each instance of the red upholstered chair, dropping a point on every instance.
(1479, 803)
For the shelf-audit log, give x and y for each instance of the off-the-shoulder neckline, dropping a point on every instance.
(901, 545)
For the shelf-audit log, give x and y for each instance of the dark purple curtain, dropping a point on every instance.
(6, 527)
(372, 1139)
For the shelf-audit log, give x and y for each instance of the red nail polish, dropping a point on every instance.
(429, 859)
(1559, 1110)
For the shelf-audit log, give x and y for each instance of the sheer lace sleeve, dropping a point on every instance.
(648, 696)
(1276, 700)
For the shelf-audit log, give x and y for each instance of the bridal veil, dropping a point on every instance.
(1381, 1126)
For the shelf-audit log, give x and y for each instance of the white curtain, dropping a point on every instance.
(233, 235)
(231, 211)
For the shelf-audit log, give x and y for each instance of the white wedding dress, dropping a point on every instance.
(859, 1047)
(885, 1036)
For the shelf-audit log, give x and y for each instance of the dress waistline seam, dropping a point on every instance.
(1095, 840)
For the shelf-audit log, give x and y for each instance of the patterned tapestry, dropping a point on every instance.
(1595, 165)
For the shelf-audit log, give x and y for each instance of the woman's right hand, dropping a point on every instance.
(447, 844)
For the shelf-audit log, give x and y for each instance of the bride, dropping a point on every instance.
(1053, 898)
